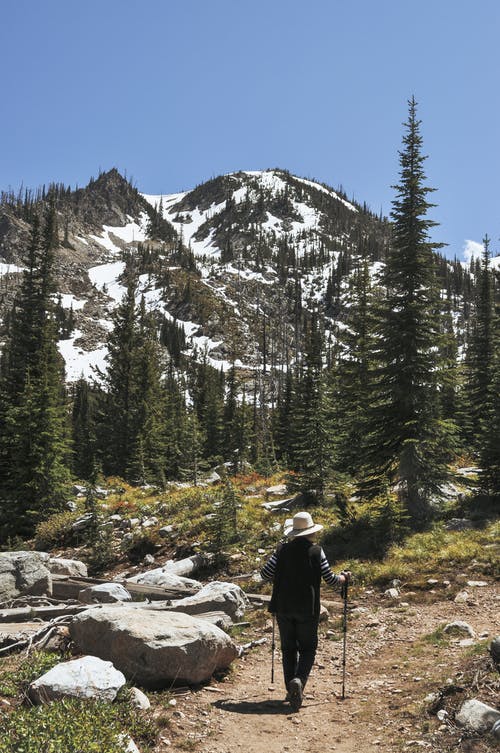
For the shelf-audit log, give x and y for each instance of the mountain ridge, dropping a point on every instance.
(233, 252)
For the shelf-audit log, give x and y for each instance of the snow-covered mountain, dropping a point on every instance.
(231, 262)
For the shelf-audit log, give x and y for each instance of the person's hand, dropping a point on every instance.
(346, 575)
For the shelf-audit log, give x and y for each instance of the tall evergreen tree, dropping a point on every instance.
(35, 438)
(311, 456)
(147, 460)
(410, 443)
(478, 363)
(117, 412)
(84, 430)
(490, 434)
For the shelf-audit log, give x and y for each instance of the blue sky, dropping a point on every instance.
(175, 93)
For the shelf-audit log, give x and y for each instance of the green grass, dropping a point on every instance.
(73, 726)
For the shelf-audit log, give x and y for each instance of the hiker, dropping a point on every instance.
(296, 569)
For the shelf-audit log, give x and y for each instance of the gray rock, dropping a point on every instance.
(462, 597)
(277, 490)
(128, 744)
(88, 677)
(24, 573)
(148, 560)
(150, 522)
(165, 531)
(495, 649)
(458, 627)
(104, 593)
(73, 568)
(71, 505)
(158, 649)
(458, 524)
(215, 597)
(138, 699)
(161, 576)
(82, 523)
(477, 716)
(391, 593)
(495, 730)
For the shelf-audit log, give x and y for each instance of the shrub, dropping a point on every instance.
(367, 530)
(15, 681)
(55, 531)
(71, 725)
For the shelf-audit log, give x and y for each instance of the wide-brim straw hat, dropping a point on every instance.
(301, 524)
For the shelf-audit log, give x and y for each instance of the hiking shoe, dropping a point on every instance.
(295, 693)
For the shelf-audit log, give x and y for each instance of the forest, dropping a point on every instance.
(382, 409)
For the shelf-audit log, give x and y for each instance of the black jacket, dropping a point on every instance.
(296, 585)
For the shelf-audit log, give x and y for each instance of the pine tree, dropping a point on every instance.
(311, 451)
(490, 434)
(35, 440)
(147, 455)
(350, 376)
(117, 417)
(84, 430)
(479, 356)
(409, 443)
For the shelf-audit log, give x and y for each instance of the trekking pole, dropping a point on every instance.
(344, 596)
(273, 646)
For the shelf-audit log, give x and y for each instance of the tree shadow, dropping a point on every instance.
(265, 706)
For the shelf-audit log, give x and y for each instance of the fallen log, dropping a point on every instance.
(25, 614)
(188, 565)
(65, 587)
(37, 638)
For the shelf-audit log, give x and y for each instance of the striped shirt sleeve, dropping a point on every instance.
(326, 573)
(267, 572)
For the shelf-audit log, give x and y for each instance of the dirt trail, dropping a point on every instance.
(390, 670)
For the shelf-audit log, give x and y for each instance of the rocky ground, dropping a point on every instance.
(397, 657)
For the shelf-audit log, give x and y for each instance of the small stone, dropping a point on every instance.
(172, 702)
(165, 531)
(465, 642)
(461, 598)
(148, 560)
(442, 714)
(476, 583)
(458, 626)
(432, 582)
(138, 699)
(391, 593)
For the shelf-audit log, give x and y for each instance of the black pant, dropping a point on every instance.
(299, 641)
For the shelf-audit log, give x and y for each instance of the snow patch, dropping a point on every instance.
(81, 362)
(105, 278)
(9, 269)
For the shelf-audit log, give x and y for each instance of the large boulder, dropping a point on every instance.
(24, 573)
(104, 593)
(215, 597)
(88, 677)
(163, 577)
(72, 568)
(154, 649)
(477, 715)
(495, 649)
